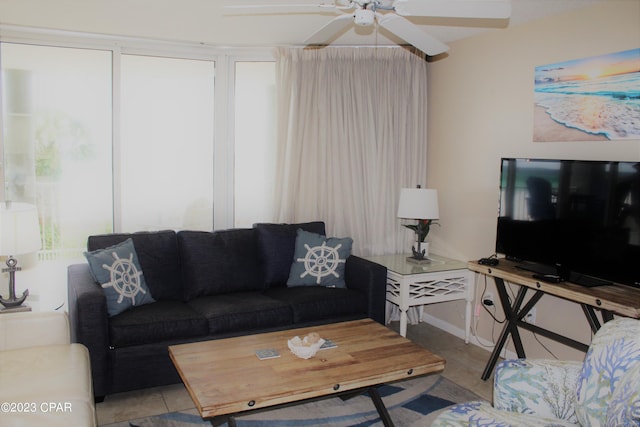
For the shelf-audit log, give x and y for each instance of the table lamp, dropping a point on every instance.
(421, 204)
(19, 235)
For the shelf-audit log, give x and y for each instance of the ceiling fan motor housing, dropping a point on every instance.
(364, 17)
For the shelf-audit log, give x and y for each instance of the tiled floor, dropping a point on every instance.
(465, 363)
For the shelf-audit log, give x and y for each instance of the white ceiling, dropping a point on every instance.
(293, 29)
(203, 21)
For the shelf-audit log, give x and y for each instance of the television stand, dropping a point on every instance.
(588, 281)
(540, 269)
(610, 299)
(551, 274)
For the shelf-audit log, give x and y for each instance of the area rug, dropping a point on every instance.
(412, 403)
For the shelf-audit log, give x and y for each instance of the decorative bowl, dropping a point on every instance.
(306, 347)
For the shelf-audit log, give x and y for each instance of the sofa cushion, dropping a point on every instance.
(34, 329)
(243, 260)
(118, 271)
(160, 321)
(312, 303)
(242, 311)
(277, 243)
(319, 260)
(205, 264)
(158, 255)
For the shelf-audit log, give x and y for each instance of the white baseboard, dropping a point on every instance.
(459, 332)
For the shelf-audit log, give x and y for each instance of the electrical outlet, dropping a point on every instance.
(531, 316)
(487, 299)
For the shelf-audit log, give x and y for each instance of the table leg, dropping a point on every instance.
(379, 404)
(404, 304)
(403, 321)
(467, 321)
(591, 317)
(607, 315)
(229, 420)
(514, 315)
(510, 326)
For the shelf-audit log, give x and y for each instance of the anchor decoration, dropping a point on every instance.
(12, 301)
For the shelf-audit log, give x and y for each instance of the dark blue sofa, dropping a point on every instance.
(207, 285)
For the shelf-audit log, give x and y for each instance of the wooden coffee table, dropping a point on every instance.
(225, 377)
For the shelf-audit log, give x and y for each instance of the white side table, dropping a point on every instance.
(23, 307)
(443, 279)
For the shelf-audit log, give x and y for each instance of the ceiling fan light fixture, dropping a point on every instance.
(364, 17)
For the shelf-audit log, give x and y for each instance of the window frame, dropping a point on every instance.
(224, 59)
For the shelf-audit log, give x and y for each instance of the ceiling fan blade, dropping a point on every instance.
(496, 9)
(259, 9)
(333, 27)
(410, 33)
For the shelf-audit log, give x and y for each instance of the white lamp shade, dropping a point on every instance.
(19, 229)
(418, 203)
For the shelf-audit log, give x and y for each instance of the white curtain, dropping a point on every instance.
(352, 131)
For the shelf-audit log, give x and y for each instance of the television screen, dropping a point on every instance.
(577, 219)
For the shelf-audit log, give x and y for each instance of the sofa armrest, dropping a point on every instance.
(545, 388)
(369, 278)
(33, 329)
(90, 322)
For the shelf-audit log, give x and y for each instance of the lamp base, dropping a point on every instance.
(14, 301)
(414, 260)
(421, 251)
(18, 309)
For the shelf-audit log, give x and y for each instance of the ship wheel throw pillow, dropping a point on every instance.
(319, 260)
(118, 271)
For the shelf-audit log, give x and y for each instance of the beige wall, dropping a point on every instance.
(481, 109)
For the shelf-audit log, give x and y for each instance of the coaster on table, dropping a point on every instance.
(328, 344)
(267, 353)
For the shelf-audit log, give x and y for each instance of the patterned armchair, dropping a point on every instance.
(604, 390)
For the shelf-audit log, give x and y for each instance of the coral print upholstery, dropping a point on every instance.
(604, 390)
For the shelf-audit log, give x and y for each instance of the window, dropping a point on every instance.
(166, 145)
(255, 150)
(56, 105)
(103, 136)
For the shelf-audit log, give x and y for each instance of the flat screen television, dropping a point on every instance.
(576, 220)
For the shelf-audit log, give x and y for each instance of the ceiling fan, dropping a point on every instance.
(388, 14)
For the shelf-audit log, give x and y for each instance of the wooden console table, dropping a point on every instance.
(609, 299)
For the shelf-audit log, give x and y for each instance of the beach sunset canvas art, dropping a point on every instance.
(590, 99)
